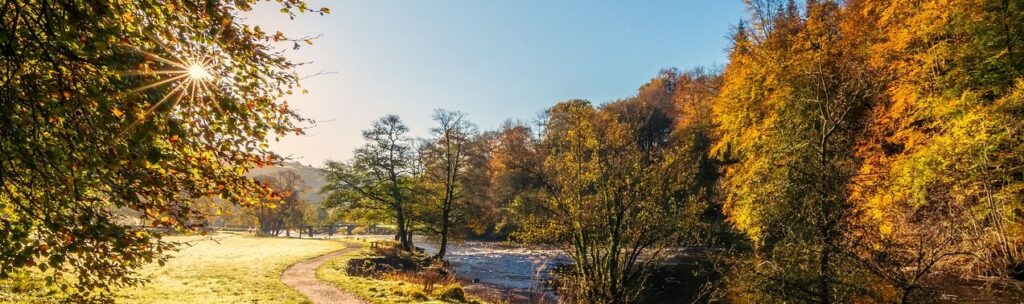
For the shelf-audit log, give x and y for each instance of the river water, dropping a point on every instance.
(498, 264)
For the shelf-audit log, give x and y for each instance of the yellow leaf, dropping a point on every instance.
(885, 229)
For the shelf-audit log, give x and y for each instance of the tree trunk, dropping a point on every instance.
(443, 248)
(409, 235)
(402, 234)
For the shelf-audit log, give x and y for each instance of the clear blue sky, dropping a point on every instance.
(495, 60)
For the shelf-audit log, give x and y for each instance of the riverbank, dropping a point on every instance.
(386, 287)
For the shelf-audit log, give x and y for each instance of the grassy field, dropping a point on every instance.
(237, 268)
(219, 268)
(227, 268)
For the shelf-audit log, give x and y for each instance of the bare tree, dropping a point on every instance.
(446, 159)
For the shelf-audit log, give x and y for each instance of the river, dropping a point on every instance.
(524, 269)
(499, 264)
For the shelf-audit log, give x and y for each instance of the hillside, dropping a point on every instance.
(311, 176)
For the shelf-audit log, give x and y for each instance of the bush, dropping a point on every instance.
(452, 293)
(418, 296)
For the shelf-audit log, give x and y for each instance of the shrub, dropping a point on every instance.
(418, 296)
(452, 293)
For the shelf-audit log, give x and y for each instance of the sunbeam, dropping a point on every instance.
(190, 75)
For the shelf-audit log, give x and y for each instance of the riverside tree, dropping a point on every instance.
(380, 177)
(874, 144)
(790, 111)
(945, 147)
(143, 105)
(610, 196)
(448, 159)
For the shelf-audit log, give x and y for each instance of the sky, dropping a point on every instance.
(495, 60)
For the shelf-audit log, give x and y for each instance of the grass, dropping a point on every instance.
(237, 268)
(226, 268)
(219, 268)
(392, 289)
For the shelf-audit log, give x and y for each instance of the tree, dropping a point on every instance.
(791, 110)
(692, 94)
(515, 176)
(283, 206)
(446, 158)
(610, 196)
(379, 178)
(946, 142)
(99, 113)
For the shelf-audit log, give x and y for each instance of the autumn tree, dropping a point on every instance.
(515, 176)
(283, 206)
(447, 158)
(379, 178)
(609, 196)
(692, 94)
(945, 145)
(99, 112)
(791, 109)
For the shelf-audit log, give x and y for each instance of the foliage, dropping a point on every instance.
(282, 209)
(870, 145)
(92, 123)
(451, 173)
(613, 192)
(947, 140)
(379, 178)
(514, 176)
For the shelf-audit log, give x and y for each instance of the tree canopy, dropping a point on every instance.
(139, 107)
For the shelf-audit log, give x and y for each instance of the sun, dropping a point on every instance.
(198, 72)
(190, 78)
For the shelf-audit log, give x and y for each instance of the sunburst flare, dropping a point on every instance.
(190, 76)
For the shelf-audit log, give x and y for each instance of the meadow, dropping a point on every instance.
(226, 268)
(217, 268)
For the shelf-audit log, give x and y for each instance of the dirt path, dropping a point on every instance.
(302, 277)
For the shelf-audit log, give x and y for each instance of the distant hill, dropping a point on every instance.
(311, 176)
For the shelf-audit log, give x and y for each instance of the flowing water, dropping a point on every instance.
(502, 265)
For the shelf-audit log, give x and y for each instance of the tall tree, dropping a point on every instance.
(946, 142)
(693, 94)
(446, 158)
(379, 177)
(610, 196)
(790, 111)
(515, 176)
(99, 112)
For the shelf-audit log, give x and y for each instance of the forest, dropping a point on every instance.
(856, 151)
